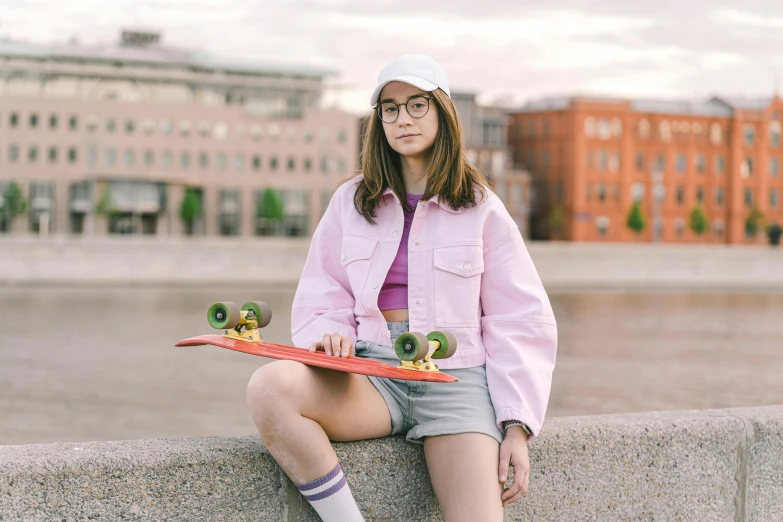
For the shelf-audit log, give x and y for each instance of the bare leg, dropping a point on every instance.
(298, 409)
(464, 474)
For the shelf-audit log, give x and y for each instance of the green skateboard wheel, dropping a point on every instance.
(448, 344)
(223, 315)
(261, 309)
(411, 346)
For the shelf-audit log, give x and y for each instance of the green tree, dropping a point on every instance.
(13, 202)
(270, 211)
(190, 209)
(635, 220)
(754, 220)
(697, 220)
(105, 205)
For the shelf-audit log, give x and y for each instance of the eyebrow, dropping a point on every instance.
(406, 101)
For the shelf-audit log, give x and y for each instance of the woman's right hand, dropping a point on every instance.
(334, 344)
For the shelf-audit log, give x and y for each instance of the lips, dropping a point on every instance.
(406, 136)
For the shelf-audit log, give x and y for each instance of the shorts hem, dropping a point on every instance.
(450, 427)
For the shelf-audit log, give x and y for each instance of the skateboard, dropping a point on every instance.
(415, 350)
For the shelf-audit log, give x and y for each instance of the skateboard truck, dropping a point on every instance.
(241, 324)
(416, 350)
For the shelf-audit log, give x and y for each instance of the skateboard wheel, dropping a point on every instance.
(223, 315)
(411, 346)
(448, 344)
(261, 309)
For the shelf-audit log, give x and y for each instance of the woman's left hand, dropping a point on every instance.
(513, 450)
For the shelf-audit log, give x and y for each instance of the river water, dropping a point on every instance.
(100, 364)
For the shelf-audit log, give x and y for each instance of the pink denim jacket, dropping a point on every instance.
(468, 273)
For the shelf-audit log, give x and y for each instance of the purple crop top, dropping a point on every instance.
(394, 292)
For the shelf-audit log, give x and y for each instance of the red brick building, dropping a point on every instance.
(592, 158)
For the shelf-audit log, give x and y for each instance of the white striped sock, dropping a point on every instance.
(331, 497)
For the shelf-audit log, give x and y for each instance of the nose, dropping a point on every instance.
(403, 118)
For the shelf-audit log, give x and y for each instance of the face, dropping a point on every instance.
(411, 137)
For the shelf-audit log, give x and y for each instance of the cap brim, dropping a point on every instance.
(422, 84)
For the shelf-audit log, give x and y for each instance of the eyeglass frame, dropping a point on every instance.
(397, 105)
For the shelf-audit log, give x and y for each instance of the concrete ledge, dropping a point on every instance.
(711, 465)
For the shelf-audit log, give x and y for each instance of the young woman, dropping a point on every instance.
(416, 242)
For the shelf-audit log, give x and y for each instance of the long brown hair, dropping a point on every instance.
(449, 173)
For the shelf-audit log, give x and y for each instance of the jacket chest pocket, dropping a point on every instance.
(457, 282)
(356, 257)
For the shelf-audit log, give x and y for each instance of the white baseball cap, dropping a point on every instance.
(418, 70)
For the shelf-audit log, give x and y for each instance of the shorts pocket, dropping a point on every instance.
(457, 282)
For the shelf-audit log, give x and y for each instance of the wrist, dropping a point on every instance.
(515, 425)
(516, 431)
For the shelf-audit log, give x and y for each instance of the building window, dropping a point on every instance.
(274, 133)
(715, 134)
(92, 156)
(166, 159)
(774, 167)
(111, 156)
(111, 126)
(717, 228)
(590, 127)
(53, 121)
(601, 192)
(679, 227)
(32, 154)
(665, 131)
(220, 161)
(644, 129)
(239, 161)
(604, 129)
(602, 225)
(166, 127)
(149, 157)
(719, 196)
(130, 157)
(640, 161)
(203, 160)
(700, 195)
(255, 132)
(720, 164)
(72, 155)
(220, 131)
(13, 153)
(617, 127)
(774, 134)
(603, 160)
(637, 191)
(774, 198)
(701, 163)
(256, 163)
(325, 164)
(291, 164)
(33, 121)
(130, 126)
(545, 161)
(308, 164)
(660, 163)
(273, 163)
(680, 195)
(184, 160)
(184, 128)
(748, 197)
(52, 154)
(681, 163)
(73, 123)
(92, 123)
(14, 120)
(746, 168)
(614, 161)
(749, 132)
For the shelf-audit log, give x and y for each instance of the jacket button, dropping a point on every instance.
(394, 234)
(417, 301)
(375, 285)
(343, 256)
(467, 266)
(416, 243)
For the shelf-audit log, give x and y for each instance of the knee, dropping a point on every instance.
(271, 387)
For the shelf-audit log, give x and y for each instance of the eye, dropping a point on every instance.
(390, 108)
(418, 105)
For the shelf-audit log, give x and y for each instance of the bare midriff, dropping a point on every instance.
(396, 315)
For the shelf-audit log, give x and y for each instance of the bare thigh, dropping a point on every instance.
(347, 406)
(464, 473)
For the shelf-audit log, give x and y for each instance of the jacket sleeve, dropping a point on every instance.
(323, 302)
(519, 333)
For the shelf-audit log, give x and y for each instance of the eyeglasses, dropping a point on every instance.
(417, 107)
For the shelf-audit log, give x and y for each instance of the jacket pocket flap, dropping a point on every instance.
(355, 248)
(463, 260)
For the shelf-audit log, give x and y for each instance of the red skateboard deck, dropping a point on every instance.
(319, 359)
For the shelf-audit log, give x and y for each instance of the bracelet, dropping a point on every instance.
(507, 424)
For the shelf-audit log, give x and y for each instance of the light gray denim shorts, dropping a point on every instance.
(424, 409)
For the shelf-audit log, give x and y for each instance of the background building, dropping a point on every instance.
(106, 139)
(591, 158)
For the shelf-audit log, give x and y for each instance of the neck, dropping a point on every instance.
(414, 172)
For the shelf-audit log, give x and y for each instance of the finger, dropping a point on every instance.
(313, 347)
(345, 347)
(512, 499)
(327, 342)
(510, 492)
(336, 339)
(525, 482)
(505, 457)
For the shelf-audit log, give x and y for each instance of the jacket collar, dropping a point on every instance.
(434, 199)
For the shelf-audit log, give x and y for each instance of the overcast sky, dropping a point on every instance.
(516, 50)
